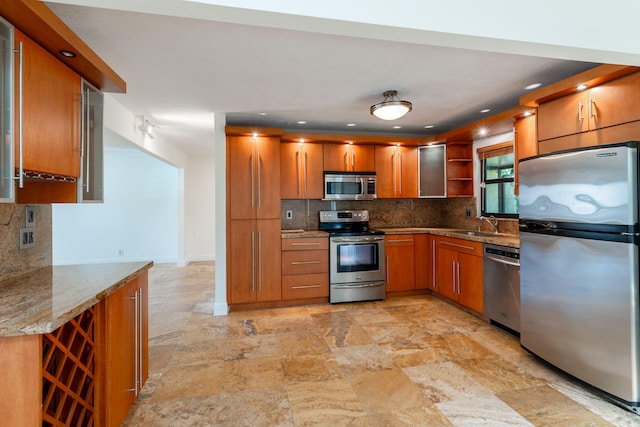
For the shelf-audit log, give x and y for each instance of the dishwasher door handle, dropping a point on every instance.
(503, 261)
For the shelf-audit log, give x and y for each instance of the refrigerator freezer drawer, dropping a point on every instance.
(579, 302)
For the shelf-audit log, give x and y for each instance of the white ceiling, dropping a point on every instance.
(180, 71)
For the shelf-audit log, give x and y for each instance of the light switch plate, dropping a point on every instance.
(30, 216)
(27, 237)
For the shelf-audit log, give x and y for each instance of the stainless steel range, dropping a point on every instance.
(356, 256)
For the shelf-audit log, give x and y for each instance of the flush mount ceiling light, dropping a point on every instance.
(391, 108)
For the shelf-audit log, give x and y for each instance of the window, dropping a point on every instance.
(497, 187)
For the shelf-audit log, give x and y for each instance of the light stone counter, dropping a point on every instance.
(298, 234)
(509, 240)
(41, 301)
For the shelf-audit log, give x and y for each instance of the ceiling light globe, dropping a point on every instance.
(391, 108)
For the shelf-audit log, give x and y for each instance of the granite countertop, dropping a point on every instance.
(298, 234)
(41, 301)
(509, 240)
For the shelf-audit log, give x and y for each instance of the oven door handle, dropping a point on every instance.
(356, 239)
(502, 261)
(358, 285)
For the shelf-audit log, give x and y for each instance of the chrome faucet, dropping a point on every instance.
(492, 220)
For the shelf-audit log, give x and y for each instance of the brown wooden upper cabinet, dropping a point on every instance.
(51, 103)
(301, 171)
(459, 169)
(254, 177)
(348, 157)
(526, 142)
(396, 171)
(612, 103)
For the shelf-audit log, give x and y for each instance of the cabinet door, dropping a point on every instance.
(447, 273)
(120, 341)
(399, 250)
(301, 171)
(615, 102)
(408, 168)
(422, 260)
(363, 158)
(386, 184)
(242, 261)
(336, 157)
(526, 142)
(470, 281)
(51, 111)
(254, 177)
(432, 179)
(268, 263)
(564, 116)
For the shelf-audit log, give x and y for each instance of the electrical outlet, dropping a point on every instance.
(467, 213)
(27, 237)
(289, 215)
(120, 252)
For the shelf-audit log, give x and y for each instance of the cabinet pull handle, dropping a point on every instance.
(580, 111)
(453, 274)
(259, 178)
(253, 261)
(387, 267)
(136, 342)
(393, 171)
(298, 170)
(346, 159)
(304, 169)
(140, 373)
(306, 287)
(400, 173)
(353, 159)
(253, 180)
(458, 246)
(305, 244)
(259, 260)
(399, 240)
(433, 262)
(305, 262)
(592, 109)
(20, 176)
(86, 141)
(458, 276)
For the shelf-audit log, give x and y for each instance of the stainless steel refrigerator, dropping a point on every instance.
(579, 265)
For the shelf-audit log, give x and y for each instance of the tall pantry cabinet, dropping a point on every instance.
(253, 184)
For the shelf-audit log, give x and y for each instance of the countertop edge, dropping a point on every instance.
(49, 322)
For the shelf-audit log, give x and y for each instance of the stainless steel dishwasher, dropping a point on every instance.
(501, 280)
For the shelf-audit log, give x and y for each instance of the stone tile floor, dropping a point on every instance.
(414, 361)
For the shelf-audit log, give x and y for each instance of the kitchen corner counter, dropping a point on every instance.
(41, 301)
(509, 240)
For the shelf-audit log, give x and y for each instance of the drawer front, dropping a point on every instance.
(305, 244)
(305, 286)
(399, 240)
(305, 262)
(460, 245)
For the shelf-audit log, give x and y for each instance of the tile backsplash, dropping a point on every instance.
(419, 213)
(16, 262)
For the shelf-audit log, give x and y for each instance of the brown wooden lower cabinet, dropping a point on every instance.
(422, 260)
(399, 250)
(87, 372)
(459, 271)
(305, 268)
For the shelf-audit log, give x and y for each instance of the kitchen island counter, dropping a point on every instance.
(41, 301)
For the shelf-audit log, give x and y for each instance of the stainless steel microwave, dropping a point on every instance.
(349, 185)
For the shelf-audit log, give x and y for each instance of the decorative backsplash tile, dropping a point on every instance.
(446, 213)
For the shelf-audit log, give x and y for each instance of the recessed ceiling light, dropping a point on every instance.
(527, 113)
(533, 86)
(397, 127)
(486, 110)
(302, 122)
(482, 132)
(351, 124)
(68, 54)
(581, 87)
(429, 126)
(262, 114)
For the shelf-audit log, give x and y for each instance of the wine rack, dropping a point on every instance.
(68, 373)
